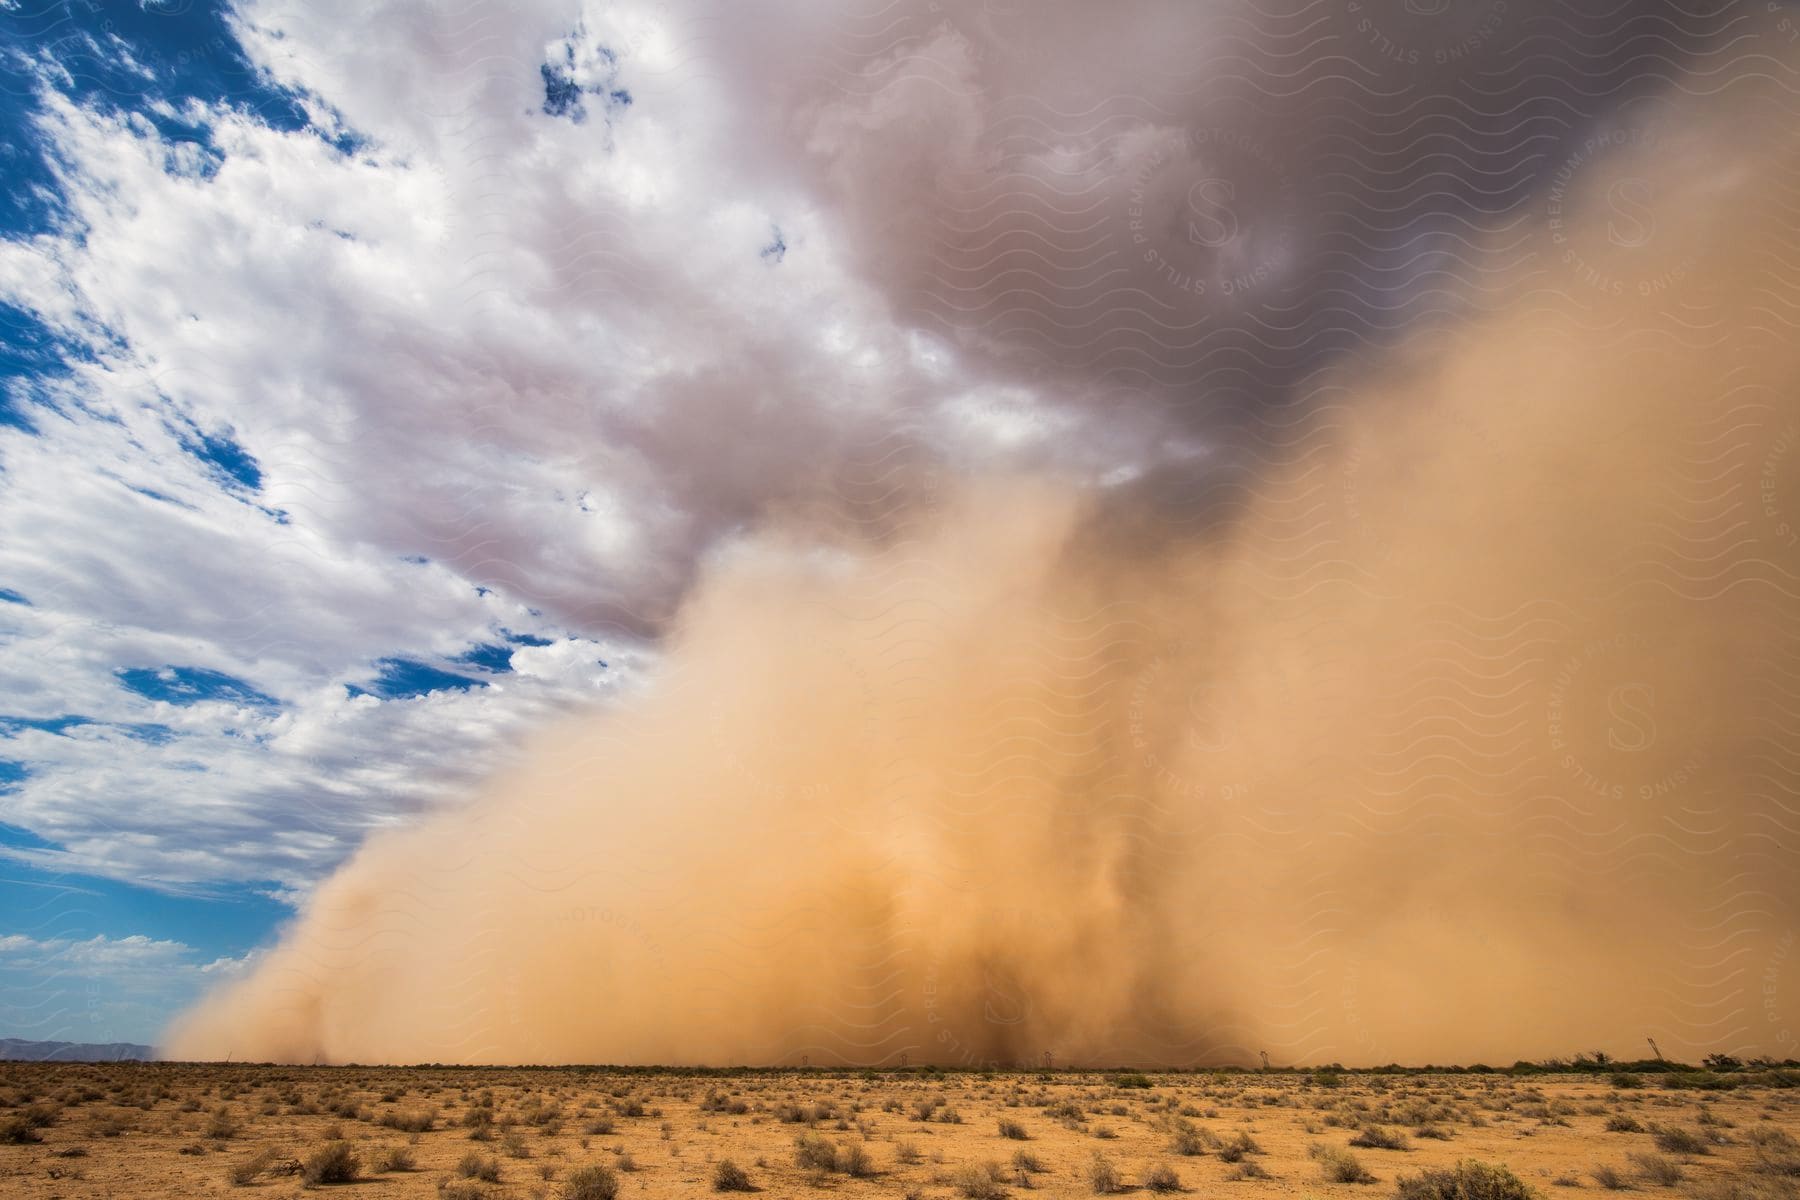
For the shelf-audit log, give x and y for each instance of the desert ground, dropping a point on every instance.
(155, 1129)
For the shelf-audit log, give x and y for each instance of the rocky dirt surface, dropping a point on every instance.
(154, 1129)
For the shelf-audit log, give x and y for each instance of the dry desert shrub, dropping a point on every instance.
(1468, 1180)
(1236, 1147)
(729, 1177)
(15, 1130)
(1654, 1168)
(334, 1162)
(1375, 1137)
(853, 1160)
(476, 1165)
(393, 1158)
(409, 1122)
(813, 1153)
(1103, 1177)
(1675, 1140)
(1608, 1178)
(1162, 1179)
(1777, 1153)
(245, 1171)
(1748, 1187)
(1187, 1140)
(1339, 1165)
(979, 1181)
(592, 1182)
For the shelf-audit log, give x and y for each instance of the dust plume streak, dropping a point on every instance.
(1469, 739)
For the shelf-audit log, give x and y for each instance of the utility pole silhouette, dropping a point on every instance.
(1654, 1050)
(1047, 1060)
(1265, 1058)
(903, 1058)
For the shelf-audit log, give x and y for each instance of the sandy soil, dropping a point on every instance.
(143, 1130)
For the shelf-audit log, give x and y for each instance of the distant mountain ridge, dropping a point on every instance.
(20, 1050)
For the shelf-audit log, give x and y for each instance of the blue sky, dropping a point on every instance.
(182, 755)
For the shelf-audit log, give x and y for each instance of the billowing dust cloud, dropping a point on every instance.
(1467, 737)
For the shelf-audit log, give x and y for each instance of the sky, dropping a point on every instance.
(377, 380)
